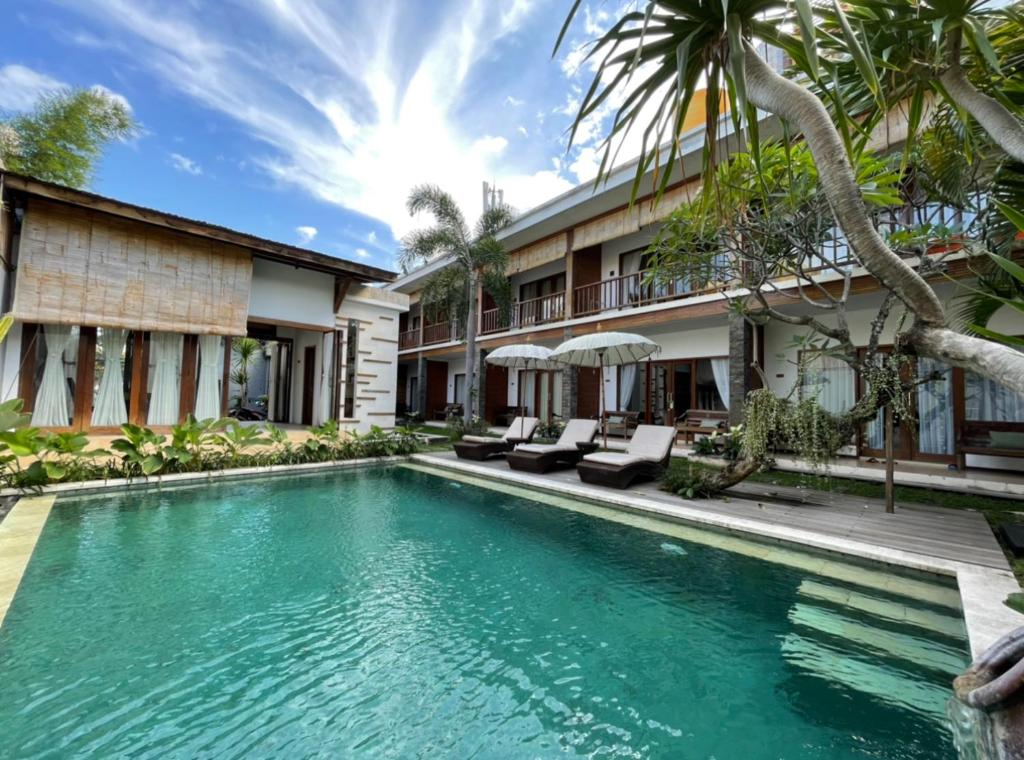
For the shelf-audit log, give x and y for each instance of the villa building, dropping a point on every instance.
(578, 265)
(126, 314)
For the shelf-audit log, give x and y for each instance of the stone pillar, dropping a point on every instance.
(570, 386)
(480, 394)
(421, 385)
(741, 355)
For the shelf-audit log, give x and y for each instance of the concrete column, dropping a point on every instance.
(741, 355)
(570, 386)
(479, 397)
(421, 386)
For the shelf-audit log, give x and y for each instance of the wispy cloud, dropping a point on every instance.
(306, 234)
(185, 164)
(21, 87)
(347, 108)
(362, 253)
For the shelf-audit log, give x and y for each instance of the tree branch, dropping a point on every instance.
(1001, 125)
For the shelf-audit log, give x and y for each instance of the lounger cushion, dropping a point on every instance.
(482, 439)
(521, 427)
(578, 431)
(653, 442)
(544, 448)
(616, 459)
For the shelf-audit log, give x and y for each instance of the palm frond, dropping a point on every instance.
(441, 206)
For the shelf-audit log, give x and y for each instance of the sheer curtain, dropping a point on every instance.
(935, 408)
(988, 401)
(626, 381)
(720, 369)
(108, 408)
(166, 378)
(53, 400)
(831, 381)
(327, 379)
(211, 355)
(529, 390)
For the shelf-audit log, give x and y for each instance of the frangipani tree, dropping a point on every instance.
(479, 260)
(657, 59)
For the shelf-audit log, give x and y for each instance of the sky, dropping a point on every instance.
(308, 121)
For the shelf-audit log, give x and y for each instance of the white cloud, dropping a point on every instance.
(348, 109)
(513, 101)
(523, 131)
(21, 87)
(372, 237)
(185, 164)
(362, 253)
(306, 234)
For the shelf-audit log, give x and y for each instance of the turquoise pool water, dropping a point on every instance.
(391, 613)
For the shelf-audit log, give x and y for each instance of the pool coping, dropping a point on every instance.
(19, 534)
(982, 589)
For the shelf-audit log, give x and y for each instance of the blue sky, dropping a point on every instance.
(307, 121)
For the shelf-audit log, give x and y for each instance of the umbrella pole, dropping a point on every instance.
(604, 416)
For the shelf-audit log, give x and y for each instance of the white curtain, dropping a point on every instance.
(988, 401)
(53, 399)
(165, 373)
(211, 357)
(935, 408)
(108, 409)
(832, 382)
(529, 391)
(626, 381)
(720, 369)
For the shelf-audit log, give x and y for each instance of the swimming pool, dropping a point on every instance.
(389, 612)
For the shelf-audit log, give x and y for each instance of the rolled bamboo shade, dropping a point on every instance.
(535, 255)
(80, 267)
(626, 221)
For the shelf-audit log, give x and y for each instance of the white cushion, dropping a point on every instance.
(522, 427)
(578, 431)
(544, 448)
(614, 458)
(481, 439)
(652, 442)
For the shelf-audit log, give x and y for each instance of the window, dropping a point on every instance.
(351, 349)
(111, 378)
(935, 408)
(165, 354)
(987, 401)
(56, 367)
(712, 384)
(831, 381)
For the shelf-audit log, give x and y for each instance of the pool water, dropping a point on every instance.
(388, 612)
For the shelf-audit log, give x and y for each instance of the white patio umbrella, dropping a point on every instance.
(605, 349)
(525, 356)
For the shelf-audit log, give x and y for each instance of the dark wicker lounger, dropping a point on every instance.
(646, 458)
(539, 458)
(480, 448)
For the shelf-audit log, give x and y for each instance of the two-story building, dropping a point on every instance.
(578, 265)
(127, 314)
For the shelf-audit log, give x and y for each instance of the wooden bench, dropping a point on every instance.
(992, 439)
(620, 422)
(700, 422)
(450, 410)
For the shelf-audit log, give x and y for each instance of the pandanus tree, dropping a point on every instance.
(478, 258)
(853, 65)
(657, 59)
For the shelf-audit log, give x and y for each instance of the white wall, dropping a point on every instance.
(376, 311)
(282, 293)
(611, 250)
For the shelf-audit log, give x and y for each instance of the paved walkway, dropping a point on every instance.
(958, 535)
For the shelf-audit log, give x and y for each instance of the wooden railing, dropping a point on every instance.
(625, 291)
(442, 332)
(408, 339)
(535, 311)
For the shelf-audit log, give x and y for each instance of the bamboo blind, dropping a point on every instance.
(80, 267)
(531, 256)
(628, 220)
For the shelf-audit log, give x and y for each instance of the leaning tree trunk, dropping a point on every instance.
(467, 405)
(930, 336)
(1001, 125)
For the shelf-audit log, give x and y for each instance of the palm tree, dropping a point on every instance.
(659, 57)
(244, 351)
(478, 260)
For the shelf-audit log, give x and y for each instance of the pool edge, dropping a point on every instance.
(19, 536)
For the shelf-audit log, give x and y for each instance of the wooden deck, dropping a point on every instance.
(950, 534)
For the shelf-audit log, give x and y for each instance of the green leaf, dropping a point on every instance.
(54, 471)
(152, 464)
(734, 30)
(1010, 267)
(1010, 213)
(565, 26)
(805, 18)
(979, 40)
(860, 56)
(1010, 340)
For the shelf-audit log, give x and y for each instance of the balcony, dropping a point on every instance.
(536, 311)
(442, 332)
(626, 291)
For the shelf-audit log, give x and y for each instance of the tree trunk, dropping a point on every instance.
(1001, 125)
(467, 405)
(929, 337)
(798, 105)
(890, 462)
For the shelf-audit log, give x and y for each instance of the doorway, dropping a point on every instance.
(308, 383)
(437, 389)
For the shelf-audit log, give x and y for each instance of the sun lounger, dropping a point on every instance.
(541, 458)
(481, 447)
(645, 458)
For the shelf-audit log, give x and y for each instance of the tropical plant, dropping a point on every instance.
(63, 137)
(657, 59)
(67, 456)
(141, 450)
(244, 352)
(478, 261)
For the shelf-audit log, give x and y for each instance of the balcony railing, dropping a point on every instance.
(535, 311)
(626, 291)
(442, 332)
(408, 339)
